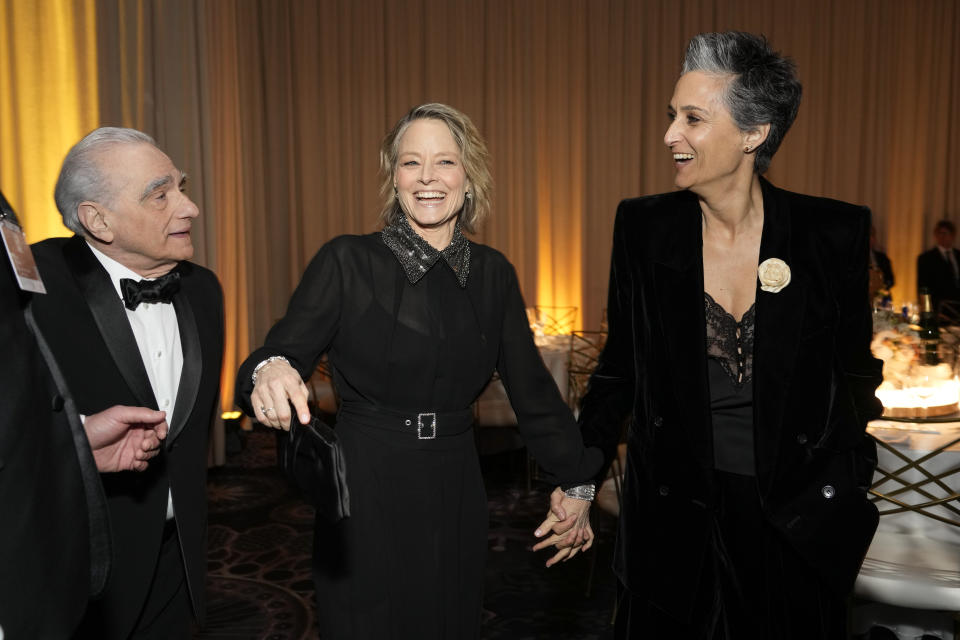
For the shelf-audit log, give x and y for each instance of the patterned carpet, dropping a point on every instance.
(259, 585)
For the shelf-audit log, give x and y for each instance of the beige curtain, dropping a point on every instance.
(276, 109)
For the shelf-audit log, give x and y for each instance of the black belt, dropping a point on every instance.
(425, 425)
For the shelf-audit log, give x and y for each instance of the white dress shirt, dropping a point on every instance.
(157, 332)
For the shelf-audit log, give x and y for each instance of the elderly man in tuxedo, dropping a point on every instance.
(55, 540)
(938, 270)
(134, 322)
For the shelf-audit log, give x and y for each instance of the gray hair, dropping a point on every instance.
(81, 178)
(763, 88)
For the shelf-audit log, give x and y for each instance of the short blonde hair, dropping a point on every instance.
(473, 154)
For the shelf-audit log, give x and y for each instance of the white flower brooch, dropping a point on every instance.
(774, 275)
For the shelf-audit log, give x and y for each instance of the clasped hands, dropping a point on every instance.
(568, 523)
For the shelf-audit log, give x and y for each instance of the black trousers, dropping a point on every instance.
(167, 612)
(754, 585)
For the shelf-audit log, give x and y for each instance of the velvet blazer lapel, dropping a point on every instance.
(678, 280)
(111, 318)
(779, 320)
(678, 277)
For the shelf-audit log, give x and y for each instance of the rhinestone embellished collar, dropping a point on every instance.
(416, 256)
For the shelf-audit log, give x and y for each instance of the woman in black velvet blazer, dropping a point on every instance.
(739, 348)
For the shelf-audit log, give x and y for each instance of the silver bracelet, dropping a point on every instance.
(264, 363)
(581, 492)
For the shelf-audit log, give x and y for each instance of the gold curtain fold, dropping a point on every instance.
(48, 100)
(276, 110)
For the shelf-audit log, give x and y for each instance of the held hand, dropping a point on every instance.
(124, 438)
(279, 385)
(569, 522)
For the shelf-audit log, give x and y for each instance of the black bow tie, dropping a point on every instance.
(159, 290)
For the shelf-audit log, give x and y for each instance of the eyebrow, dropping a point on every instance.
(155, 184)
(688, 107)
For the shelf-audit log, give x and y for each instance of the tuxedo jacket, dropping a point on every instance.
(85, 321)
(936, 274)
(813, 391)
(55, 539)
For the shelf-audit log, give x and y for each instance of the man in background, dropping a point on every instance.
(938, 270)
(134, 322)
(880, 262)
(55, 538)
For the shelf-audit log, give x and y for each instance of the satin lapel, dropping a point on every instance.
(678, 280)
(111, 318)
(192, 364)
(779, 319)
(99, 518)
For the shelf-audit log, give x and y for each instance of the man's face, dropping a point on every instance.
(148, 214)
(944, 237)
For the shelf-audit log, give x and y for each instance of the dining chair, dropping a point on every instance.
(914, 559)
(322, 395)
(548, 320)
(585, 349)
(492, 410)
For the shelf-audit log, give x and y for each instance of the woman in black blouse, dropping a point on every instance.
(414, 320)
(739, 346)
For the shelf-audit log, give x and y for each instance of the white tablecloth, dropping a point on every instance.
(493, 406)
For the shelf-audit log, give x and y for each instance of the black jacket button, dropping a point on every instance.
(801, 438)
(57, 403)
(664, 490)
(828, 491)
(657, 421)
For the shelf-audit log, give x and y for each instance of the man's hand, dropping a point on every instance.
(278, 386)
(124, 438)
(569, 522)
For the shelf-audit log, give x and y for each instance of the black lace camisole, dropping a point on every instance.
(730, 371)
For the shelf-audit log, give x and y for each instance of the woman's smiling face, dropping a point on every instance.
(430, 178)
(706, 144)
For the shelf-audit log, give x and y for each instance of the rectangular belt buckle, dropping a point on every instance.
(426, 431)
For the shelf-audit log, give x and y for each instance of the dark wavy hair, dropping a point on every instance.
(763, 86)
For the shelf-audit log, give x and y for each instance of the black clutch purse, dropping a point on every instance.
(311, 458)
